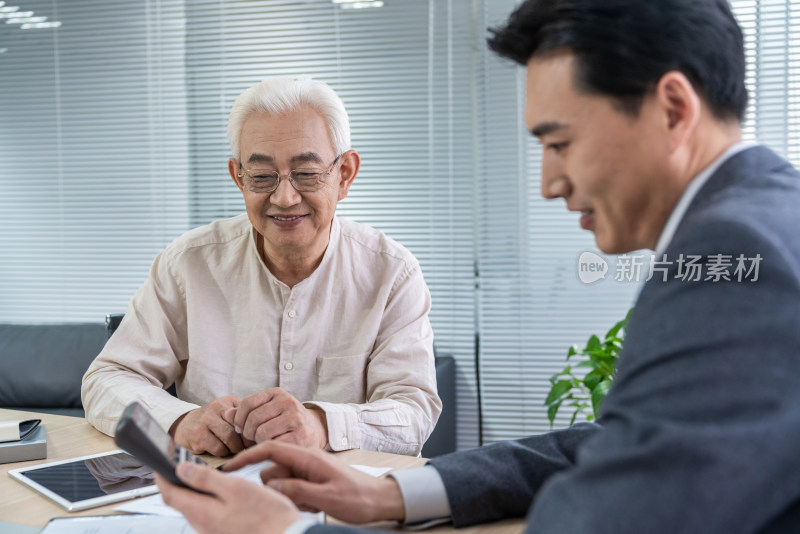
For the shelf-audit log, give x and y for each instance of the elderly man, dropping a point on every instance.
(637, 104)
(286, 323)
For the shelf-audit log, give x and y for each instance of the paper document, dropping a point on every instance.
(156, 505)
(114, 524)
(374, 471)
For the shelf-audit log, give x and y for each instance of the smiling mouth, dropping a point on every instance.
(287, 218)
(587, 219)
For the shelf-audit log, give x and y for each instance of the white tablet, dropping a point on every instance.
(89, 481)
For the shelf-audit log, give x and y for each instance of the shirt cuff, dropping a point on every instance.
(165, 408)
(343, 431)
(424, 496)
(300, 526)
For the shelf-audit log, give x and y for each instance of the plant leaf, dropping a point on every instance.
(592, 379)
(552, 410)
(574, 416)
(616, 328)
(599, 352)
(558, 389)
(585, 395)
(603, 358)
(599, 394)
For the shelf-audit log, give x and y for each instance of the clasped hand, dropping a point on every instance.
(230, 424)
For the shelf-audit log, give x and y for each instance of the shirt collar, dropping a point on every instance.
(691, 191)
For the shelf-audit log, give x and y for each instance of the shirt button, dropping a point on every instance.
(292, 313)
(344, 441)
(380, 448)
(288, 366)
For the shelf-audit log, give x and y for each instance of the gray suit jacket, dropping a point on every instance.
(701, 430)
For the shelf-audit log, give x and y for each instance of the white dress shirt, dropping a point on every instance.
(690, 192)
(353, 338)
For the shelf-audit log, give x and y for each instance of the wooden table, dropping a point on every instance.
(68, 437)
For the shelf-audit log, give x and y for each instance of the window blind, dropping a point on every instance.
(133, 109)
(533, 306)
(112, 143)
(93, 156)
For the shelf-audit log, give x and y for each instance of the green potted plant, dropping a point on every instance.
(583, 383)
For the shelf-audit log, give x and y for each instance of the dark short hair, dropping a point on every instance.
(623, 47)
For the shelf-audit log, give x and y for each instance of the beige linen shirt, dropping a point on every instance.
(353, 339)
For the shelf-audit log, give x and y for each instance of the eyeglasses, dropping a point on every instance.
(267, 180)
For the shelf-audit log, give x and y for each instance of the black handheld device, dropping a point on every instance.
(139, 434)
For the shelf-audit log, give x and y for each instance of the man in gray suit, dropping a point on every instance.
(638, 106)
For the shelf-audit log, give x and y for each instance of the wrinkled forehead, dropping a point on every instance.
(297, 136)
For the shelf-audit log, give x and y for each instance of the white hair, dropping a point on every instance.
(282, 94)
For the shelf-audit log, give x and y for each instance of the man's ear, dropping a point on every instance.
(233, 170)
(680, 106)
(348, 168)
